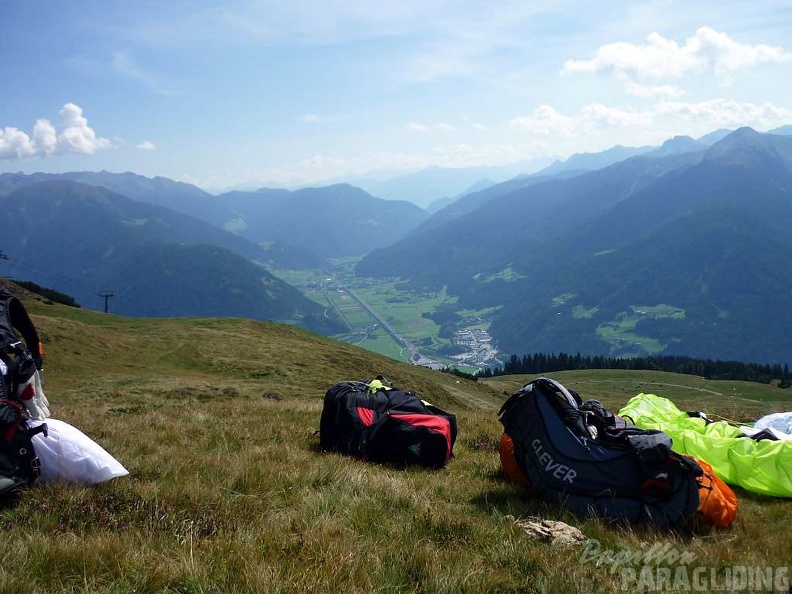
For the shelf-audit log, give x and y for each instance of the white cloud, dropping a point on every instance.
(592, 118)
(321, 168)
(636, 90)
(545, 120)
(317, 167)
(124, 65)
(275, 22)
(15, 144)
(727, 113)
(707, 51)
(74, 135)
(465, 155)
(596, 118)
(468, 121)
(423, 128)
(146, 145)
(723, 54)
(444, 39)
(45, 137)
(440, 61)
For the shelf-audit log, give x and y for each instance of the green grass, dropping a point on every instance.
(661, 310)
(563, 299)
(733, 400)
(581, 312)
(619, 333)
(382, 343)
(507, 274)
(228, 492)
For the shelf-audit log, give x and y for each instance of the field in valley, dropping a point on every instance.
(364, 303)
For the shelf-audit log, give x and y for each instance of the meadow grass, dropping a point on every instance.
(216, 422)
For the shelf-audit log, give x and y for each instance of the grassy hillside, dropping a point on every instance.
(227, 492)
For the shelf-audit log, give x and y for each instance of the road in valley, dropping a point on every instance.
(415, 356)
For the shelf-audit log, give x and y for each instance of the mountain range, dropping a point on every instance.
(330, 222)
(166, 248)
(298, 228)
(675, 251)
(86, 240)
(435, 183)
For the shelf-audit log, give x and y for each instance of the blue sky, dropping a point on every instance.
(291, 92)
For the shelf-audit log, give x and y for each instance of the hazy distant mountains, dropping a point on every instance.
(434, 188)
(678, 249)
(683, 249)
(297, 229)
(168, 248)
(331, 222)
(178, 196)
(82, 239)
(437, 183)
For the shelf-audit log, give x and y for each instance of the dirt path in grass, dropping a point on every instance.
(684, 387)
(472, 401)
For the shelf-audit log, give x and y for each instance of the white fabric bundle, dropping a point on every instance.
(68, 455)
(31, 394)
(777, 423)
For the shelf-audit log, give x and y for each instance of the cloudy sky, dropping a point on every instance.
(289, 92)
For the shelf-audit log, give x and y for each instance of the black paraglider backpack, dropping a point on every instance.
(21, 358)
(385, 425)
(584, 457)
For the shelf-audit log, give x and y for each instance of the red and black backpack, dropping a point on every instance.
(385, 425)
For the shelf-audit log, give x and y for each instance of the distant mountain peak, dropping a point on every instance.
(715, 136)
(746, 146)
(594, 161)
(678, 145)
(745, 131)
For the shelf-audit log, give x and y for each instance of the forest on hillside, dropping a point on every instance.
(706, 368)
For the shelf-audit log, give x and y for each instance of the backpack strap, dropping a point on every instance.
(558, 388)
(657, 462)
(14, 316)
(567, 403)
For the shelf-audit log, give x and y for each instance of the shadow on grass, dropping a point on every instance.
(759, 498)
(11, 499)
(506, 498)
(315, 448)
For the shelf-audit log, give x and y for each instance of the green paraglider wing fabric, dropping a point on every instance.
(759, 466)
